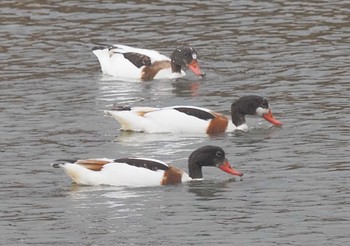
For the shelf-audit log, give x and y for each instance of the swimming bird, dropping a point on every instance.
(190, 119)
(134, 63)
(138, 172)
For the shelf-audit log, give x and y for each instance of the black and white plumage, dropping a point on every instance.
(191, 119)
(126, 62)
(138, 172)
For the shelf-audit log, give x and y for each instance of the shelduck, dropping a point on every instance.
(190, 119)
(127, 62)
(139, 172)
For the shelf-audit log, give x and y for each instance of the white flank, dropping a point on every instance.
(160, 121)
(168, 74)
(116, 174)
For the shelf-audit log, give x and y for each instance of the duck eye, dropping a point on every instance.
(186, 54)
(219, 154)
(264, 104)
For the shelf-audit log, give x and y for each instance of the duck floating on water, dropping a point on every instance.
(190, 119)
(127, 62)
(139, 172)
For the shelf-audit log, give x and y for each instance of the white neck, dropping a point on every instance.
(231, 127)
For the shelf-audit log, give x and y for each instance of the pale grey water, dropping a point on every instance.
(295, 190)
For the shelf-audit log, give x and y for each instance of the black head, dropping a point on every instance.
(185, 57)
(251, 105)
(248, 105)
(209, 156)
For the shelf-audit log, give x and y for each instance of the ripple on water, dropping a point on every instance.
(295, 184)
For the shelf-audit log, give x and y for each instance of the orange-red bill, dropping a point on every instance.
(270, 118)
(226, 167)
(194, 66)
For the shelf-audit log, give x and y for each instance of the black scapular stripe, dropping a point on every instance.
(137, 59)
(149, 164)
(196, 113)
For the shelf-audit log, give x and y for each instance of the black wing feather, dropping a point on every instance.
(196, 113)
(138, 59)
(152, 165)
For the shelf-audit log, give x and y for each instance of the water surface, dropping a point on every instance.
(295, 190)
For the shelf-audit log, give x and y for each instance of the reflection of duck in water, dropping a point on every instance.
(188, 89)
(191, 119)
(133, 63)
(210, 188)
(142, 171)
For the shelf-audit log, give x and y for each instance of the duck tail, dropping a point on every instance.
(101, 47)
(61, 162)
(103, 56)
(120, 107)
